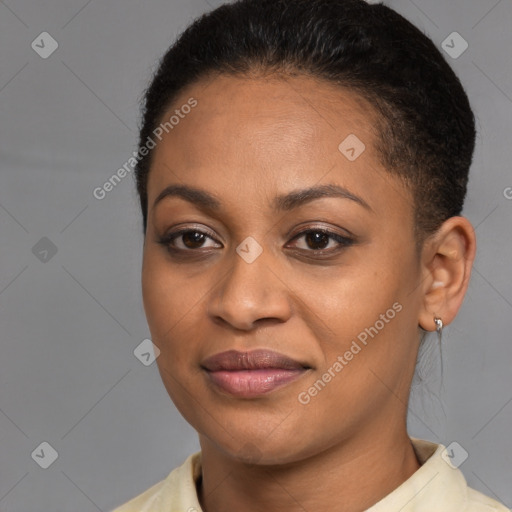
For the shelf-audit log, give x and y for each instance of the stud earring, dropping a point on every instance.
(439, 327)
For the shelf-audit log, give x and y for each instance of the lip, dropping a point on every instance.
(252, 374)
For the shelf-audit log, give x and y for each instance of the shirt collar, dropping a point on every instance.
(436, 485)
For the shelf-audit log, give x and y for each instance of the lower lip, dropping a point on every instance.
(253, 383)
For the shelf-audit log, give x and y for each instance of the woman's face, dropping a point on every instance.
(254, 271)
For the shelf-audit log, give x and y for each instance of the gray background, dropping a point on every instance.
(70, 324)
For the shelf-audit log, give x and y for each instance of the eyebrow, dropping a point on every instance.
(285, 202)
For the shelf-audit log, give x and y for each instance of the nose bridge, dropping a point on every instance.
(250, 291)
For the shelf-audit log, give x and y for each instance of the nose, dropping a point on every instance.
(251, 294)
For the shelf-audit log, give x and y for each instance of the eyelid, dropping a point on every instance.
(200, 228)
(305, 228)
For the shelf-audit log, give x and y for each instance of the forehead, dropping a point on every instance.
(258, 136)
(304, 105)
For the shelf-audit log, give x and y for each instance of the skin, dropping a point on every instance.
(247, 141)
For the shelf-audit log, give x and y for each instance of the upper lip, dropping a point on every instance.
(233, 360)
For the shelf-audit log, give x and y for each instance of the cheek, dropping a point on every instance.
(171, 306)
(169, 299)
(358, 312)
(176, 307)
(346, 298)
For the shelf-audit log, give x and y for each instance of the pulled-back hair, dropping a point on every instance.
(426, 126)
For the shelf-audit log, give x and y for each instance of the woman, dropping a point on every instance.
(302, 169)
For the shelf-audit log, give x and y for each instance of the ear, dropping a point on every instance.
(447, 260)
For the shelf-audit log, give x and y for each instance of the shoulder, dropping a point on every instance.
(479, 502)
(176, 491)
(150, 497)
(444, 484)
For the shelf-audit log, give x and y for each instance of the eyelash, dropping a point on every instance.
(343, 241)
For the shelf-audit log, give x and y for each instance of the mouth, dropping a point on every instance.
(252, 374)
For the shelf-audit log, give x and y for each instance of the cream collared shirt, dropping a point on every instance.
(435, 487)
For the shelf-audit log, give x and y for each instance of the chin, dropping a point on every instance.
(261, 449)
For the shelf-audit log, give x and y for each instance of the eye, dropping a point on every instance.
(321, 239)
(316, 240)
(186, 240)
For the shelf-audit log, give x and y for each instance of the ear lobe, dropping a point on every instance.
(447, 262)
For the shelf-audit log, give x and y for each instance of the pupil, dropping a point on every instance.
(194, 237)
(317, 238)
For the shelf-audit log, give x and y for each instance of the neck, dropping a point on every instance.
(352, 476)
